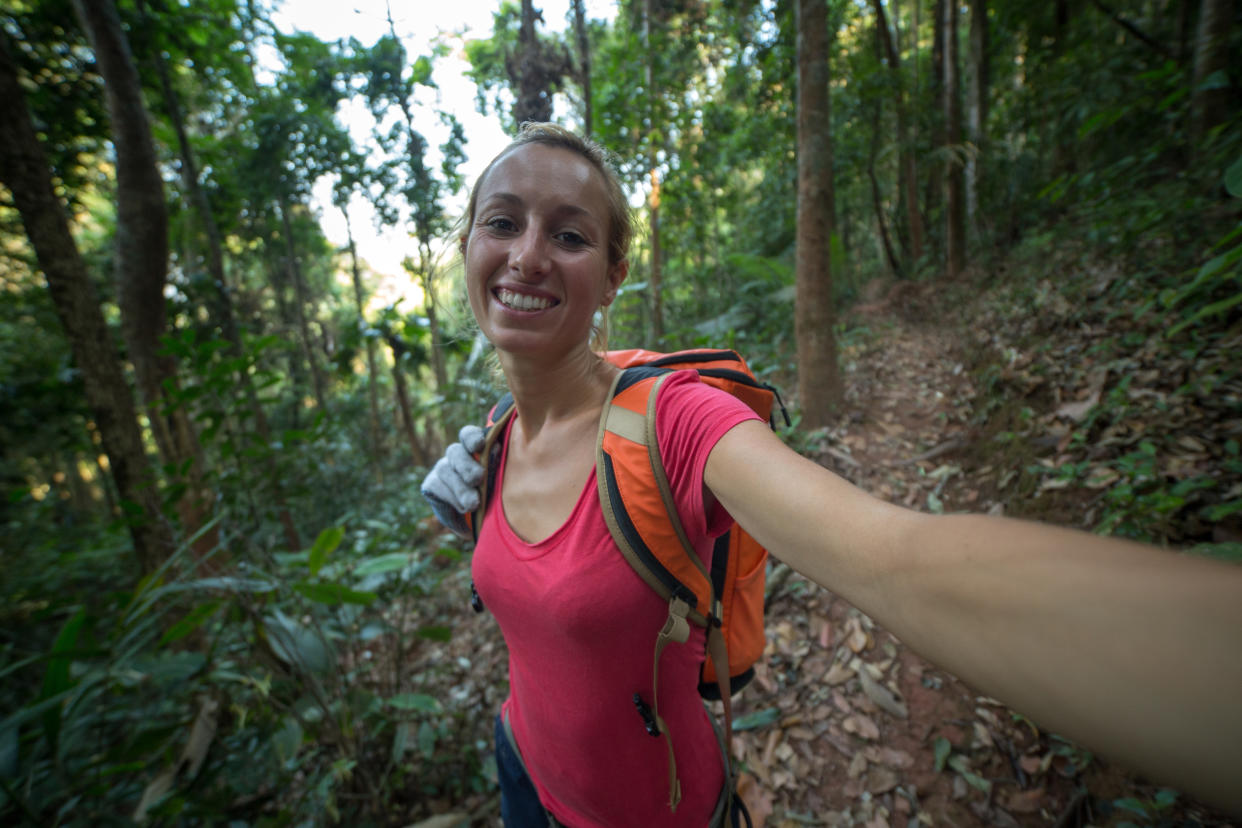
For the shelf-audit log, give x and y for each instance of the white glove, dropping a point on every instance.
(451, 487)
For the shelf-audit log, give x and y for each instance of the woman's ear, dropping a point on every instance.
(462, 244)
(616, 275)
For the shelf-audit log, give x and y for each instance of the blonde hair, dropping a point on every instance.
(620, 224)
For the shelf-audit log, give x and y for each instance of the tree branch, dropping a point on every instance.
(1151, 42)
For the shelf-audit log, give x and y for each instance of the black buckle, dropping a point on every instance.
(644, 710)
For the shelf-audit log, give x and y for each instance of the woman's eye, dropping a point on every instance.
(502, 224)
(571, 238)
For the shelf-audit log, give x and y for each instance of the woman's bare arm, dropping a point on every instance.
(1134, 651)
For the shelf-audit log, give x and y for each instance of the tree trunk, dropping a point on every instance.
(907, 171)
(377, 441)
(142, 264)
(533, 101)
(890, 256)
(976, 108)
(25, 171)
(655, 276)
(954, 203)
(584, 66)
(300, 301)
(402, 391)
(1211, 88)
(438, 364)
(819, 383)
(935, 180)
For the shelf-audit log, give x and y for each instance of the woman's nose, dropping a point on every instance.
(529, 254)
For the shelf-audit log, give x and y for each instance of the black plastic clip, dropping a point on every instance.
(475, 600)
(644, 710)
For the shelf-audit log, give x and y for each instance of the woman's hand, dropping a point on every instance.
(451, 487)
(1132, 650)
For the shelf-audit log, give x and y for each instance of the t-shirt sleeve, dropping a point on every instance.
(691, 417)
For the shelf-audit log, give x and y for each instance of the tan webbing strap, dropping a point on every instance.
(676, 629)
(661, 479)
(719, 653)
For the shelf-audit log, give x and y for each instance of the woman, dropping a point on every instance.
(1131, 650)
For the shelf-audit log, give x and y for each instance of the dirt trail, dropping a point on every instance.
(868, 732)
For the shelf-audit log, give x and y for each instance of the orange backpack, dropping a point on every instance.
(641, 515)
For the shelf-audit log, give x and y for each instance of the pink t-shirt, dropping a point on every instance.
(581, 627)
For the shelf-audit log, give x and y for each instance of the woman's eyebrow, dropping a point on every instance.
(568, 208)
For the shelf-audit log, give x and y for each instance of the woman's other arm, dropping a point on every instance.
(1134, 651)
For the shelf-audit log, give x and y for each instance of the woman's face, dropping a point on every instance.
(537, 251)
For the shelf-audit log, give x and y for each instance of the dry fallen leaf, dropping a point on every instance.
(758, 801)
(858, 766)
(881, 780)
(884, 698)
(838, 673)
(863, 726)
(1025, 802)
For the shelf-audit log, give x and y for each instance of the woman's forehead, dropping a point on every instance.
(534, 170)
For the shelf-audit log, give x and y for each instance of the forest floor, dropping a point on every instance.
(844, 725)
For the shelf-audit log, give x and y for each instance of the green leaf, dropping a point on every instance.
(297, 645)
(288, 740)
(1233, 178)
(942, 748)
(380, 564)
(757, 719)
(1131, 804)
(192, 621)
(415, 701)
(57, 680)
(400, 740)
(435, 633)
(327, 542)
(333, 594)
(960, 764)
(934, 504)
(426, 739)
(1165, 797)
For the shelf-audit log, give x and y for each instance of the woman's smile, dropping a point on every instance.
(513, 300)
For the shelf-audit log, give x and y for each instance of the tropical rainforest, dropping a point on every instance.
(989, 251)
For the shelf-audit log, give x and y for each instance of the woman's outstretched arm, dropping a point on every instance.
(1134, 651)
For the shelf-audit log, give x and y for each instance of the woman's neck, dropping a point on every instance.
(551, 392)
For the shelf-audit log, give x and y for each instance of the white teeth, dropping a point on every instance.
(521, 301)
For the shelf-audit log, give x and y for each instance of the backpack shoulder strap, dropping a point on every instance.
(636, 499)
(497, 422)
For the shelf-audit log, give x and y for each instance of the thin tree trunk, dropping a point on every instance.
(438, 364)
(584, 65)
(954, 206)
(908, 180)
(877, 202)
(977, 108)
(819, 382)
(301, 300)
(935, 179)
(1210, 101)
(402, 391)
(25, 171)
(655, 276)
(377, 444)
